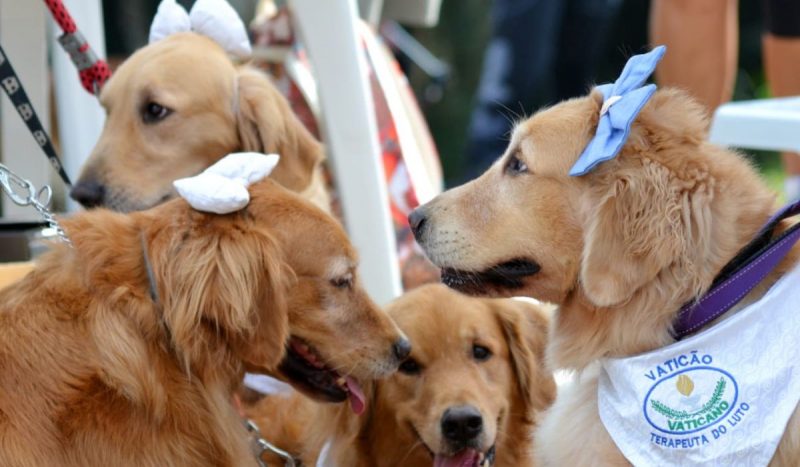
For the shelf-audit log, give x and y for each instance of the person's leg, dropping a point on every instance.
(582, 44)
(517, 68)
(781, 46)
(702, 41)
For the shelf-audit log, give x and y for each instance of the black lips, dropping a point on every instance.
(318, 383)
(507, 275)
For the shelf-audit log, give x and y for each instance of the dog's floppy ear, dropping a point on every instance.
(644, 215)
(525, 329)
(267, 124)
(221, 284)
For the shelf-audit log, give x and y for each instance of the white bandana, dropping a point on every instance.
(721, 397)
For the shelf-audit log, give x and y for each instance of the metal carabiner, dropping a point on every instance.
(13, 183)
(260, 446)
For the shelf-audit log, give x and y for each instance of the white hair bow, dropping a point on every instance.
(212, 18)
(222, 188)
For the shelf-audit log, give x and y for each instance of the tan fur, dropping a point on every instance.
(217, 109)
(620, 249)
(404, 411)
(94, 372)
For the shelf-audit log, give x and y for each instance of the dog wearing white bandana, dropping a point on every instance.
(615, 207)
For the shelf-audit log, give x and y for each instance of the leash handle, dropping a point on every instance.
(93, 71)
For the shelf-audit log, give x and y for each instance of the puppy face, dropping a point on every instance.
(278, 275)
(476, 370)
(174, 108)
(337, 335)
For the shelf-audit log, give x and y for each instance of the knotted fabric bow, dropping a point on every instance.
(623, 99)
(222, 188)
(215, 19)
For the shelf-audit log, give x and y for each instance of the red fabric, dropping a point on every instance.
(61, 15)
(93, 78)
(98, 74)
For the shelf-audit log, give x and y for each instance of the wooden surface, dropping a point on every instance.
(12, 272)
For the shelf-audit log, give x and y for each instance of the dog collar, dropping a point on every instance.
(742, 274)
(148, 268)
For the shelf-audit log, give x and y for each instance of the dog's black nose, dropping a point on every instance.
(461, 424)
(417, 220)
(401, 349)
(89, 193)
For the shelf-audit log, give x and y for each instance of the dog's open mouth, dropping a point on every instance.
(467, 457)
(304, 367)
(507, 275)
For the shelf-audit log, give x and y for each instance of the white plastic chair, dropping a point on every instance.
(328, 31)
(768, 124)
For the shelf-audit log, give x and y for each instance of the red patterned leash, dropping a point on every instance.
(93, 70)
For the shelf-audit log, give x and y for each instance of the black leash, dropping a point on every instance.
(12, 85)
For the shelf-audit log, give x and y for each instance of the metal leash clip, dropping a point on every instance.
(23, 193)
(260, 446)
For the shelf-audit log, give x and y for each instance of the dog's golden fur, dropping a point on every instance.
(96, 371)
(216, 108)
(403, 418)
(620, 249)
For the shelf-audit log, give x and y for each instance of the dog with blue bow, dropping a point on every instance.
(676, 278)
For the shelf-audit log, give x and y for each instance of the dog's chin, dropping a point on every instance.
(467, 457)
(464, 456)
(502, 280)
(304, 369)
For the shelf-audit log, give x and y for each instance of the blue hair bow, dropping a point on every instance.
(622, 101)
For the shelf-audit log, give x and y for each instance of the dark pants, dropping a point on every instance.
(782, 17)
(540, 52)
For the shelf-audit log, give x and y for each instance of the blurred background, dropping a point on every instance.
(475, 67)
(463, 33)
(460, 40)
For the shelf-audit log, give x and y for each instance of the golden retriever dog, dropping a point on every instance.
(177, 106)
(620, 249)
(469, 395)
(125, 349)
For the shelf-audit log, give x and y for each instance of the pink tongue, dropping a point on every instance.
(357, 400)
(464, 458)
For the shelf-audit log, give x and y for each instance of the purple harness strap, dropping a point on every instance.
(725, 294)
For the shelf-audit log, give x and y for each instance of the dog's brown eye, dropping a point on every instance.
(154, 112)
(410, 367)
(515, 166)
(344, 282)
(480, 353)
